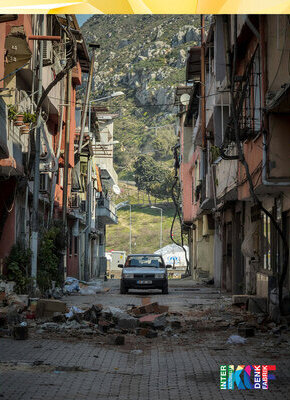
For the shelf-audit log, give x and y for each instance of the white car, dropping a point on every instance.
(144, 271)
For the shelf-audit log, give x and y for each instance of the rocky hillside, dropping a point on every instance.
(143, 56)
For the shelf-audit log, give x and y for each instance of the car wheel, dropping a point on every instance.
(123, 289)
(165, 289)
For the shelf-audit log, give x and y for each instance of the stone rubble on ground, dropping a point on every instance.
(51, 317)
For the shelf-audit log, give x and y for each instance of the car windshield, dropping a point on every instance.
(144, 261)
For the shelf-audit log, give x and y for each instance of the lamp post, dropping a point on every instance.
(158, 208)
(115, 94)
(122, 205)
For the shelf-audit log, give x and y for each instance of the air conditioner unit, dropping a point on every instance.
(43, 183)
(44, 167)
(47, 53)
(74, 201)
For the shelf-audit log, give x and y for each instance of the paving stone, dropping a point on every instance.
(257, 305)
(167, 369)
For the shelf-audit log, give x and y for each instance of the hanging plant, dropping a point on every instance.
(215, 152)
(29, 118)
(18, 121)
(25, 128)
(12, 112)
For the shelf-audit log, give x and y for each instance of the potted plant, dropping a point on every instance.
(12, 112)
(28, 119)
(18, 121)
(25, 128)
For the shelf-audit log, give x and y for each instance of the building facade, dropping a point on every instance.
(37, 53)
(234, 154)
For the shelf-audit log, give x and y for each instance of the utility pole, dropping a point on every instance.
(88, 222)
(202, 82)
(130, 243)
(65, 172)
(161, 230)
(87, 96)
(122, 205)
(66, 148)
(35, 219)
(89, 170)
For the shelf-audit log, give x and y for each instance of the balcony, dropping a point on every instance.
(106, 211)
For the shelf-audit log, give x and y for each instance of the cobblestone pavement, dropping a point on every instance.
(170, 368)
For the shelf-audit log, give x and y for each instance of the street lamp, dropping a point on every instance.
(158, 208)
(115, 94)
(122, 205)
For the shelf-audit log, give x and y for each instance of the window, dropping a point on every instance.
(251, 118)
(145, 261)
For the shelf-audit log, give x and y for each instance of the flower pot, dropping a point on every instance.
(18, 120)
(25, 128)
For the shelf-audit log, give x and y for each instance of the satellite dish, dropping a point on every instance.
(116, 189)
(184, 99)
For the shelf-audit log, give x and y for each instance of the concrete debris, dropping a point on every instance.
(257, 305)
(47, 307)
(20, 332)
(59, 317)
(245, 315)
(149, 309)
(156, 321)
(176, 324)
(93, 313)
(127, 322)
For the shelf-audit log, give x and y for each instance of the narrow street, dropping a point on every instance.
(182, 362)
(144, 152)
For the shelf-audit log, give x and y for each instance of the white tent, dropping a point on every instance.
(173, 255)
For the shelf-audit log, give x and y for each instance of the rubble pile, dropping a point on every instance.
(21, 317)
(147, 321)
(52, 317)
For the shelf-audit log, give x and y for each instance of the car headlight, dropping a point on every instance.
(128, 275)
(160, 276)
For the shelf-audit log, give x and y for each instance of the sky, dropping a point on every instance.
(82, 18)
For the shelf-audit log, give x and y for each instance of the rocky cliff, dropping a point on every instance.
(143, 56)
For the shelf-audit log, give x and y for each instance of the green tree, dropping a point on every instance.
(49, 255)
(153, 177)
(18, 265)
(162, 145)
